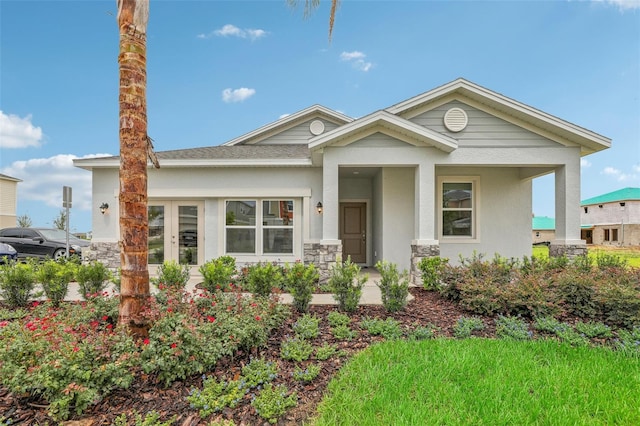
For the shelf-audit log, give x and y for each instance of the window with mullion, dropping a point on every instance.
(240, 220)
(458, 209)
(277, 226)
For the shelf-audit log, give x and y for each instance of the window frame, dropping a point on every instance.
(260, 225)
(474, 209)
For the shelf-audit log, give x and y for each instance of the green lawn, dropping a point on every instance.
(631, 255)
(484, 382)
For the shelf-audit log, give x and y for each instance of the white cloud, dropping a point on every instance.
(230, 30)
(622, 4)
(584, 163)
(237, 95)
(43, 179)
(636, 168)
(16, 132)
(620, 176)
(356, 58)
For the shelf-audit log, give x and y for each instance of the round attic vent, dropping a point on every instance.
(316, 127)
(455, 119)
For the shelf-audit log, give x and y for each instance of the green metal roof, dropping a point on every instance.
(542, 223)
(624, 194)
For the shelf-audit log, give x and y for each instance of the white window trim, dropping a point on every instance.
(475, 208)
(258, 255)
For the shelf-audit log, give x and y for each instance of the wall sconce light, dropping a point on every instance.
(319, 207)
(104, 207)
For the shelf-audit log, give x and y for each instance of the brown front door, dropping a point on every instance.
(353, 228)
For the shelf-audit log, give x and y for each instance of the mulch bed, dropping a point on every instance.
(146, 395)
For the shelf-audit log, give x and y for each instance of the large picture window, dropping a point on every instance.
(259, 226)
(458, 208)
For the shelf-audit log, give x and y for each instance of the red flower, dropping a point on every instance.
(75, 349)
(174, 345)
(105, 317)
(109, 326)
(4, 323)
(169, 309)
(257, 317)
(93, 324)
(35, 303)
(210, 318)
(146, 341)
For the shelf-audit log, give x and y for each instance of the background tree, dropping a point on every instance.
(133, 16)
(311, 5)
(24, 221)
(60, 221)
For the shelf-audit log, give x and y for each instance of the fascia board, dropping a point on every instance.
(289, 121)
(167, 163)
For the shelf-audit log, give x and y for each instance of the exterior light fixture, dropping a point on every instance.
(319, 207)
(104, 207)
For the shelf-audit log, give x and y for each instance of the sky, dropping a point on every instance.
(220, 69)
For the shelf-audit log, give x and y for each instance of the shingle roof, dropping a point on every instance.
(624, 194)
(236, 152)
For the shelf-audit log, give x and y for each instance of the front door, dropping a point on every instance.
(175, 232)
(353, 231)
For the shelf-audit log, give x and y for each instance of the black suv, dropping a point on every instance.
(42, 242)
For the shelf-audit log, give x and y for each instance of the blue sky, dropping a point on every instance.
(219, 69)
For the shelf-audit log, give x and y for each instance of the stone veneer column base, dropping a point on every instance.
(107, 253)
(569, 249)
(323, 256)
(419, 252)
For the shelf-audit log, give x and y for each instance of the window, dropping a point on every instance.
(259, 226)
(614, 235)
(606, 235)
(458, 208)
(586, 209)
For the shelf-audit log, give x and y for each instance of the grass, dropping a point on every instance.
(632, 255)
(483, 382)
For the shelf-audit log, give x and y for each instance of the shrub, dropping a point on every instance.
(628, 342)
(422, 332)
(295, 349)
(388, 328)
(394, 287)
(325, 351)
(92, 278)
(263, 277)
(619, 301)
(346, 284)
(301, 280)
(431, 269)
(593, 329)
(512, 328)
(272, 402)
(343, 332)
(216, 395)
(607, 261)
(308, 374)
(17, 282)
(337, 319)
(531, 295)
(307, 327)
(152, 418)
(55, 277)
(172, 276)
(576, 291)
(465, 326)
(258, 372)
(218, 273)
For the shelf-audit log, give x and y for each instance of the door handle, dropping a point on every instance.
(364, 237)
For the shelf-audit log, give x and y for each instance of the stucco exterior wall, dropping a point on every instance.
(398, 215)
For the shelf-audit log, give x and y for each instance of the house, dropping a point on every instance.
(543, 229)
(8, 201)
(447, 172)
(612, 218)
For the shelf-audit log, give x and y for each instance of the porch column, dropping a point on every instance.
(425, 243)
(330, 247)
(567, 198)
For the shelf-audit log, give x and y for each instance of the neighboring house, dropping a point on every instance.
(8, 201)
(612, 218)
(544, 229)
(448, 172)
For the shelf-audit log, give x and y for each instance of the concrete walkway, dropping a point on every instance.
(370, 291)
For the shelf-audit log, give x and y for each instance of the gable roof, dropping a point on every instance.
(7, 177)
(505, 108)
(384, 122)
(624, 194)
(314, 111)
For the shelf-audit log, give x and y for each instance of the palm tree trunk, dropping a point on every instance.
(134, 224)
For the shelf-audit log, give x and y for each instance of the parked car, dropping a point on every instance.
(42, 242)
(7, 253)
